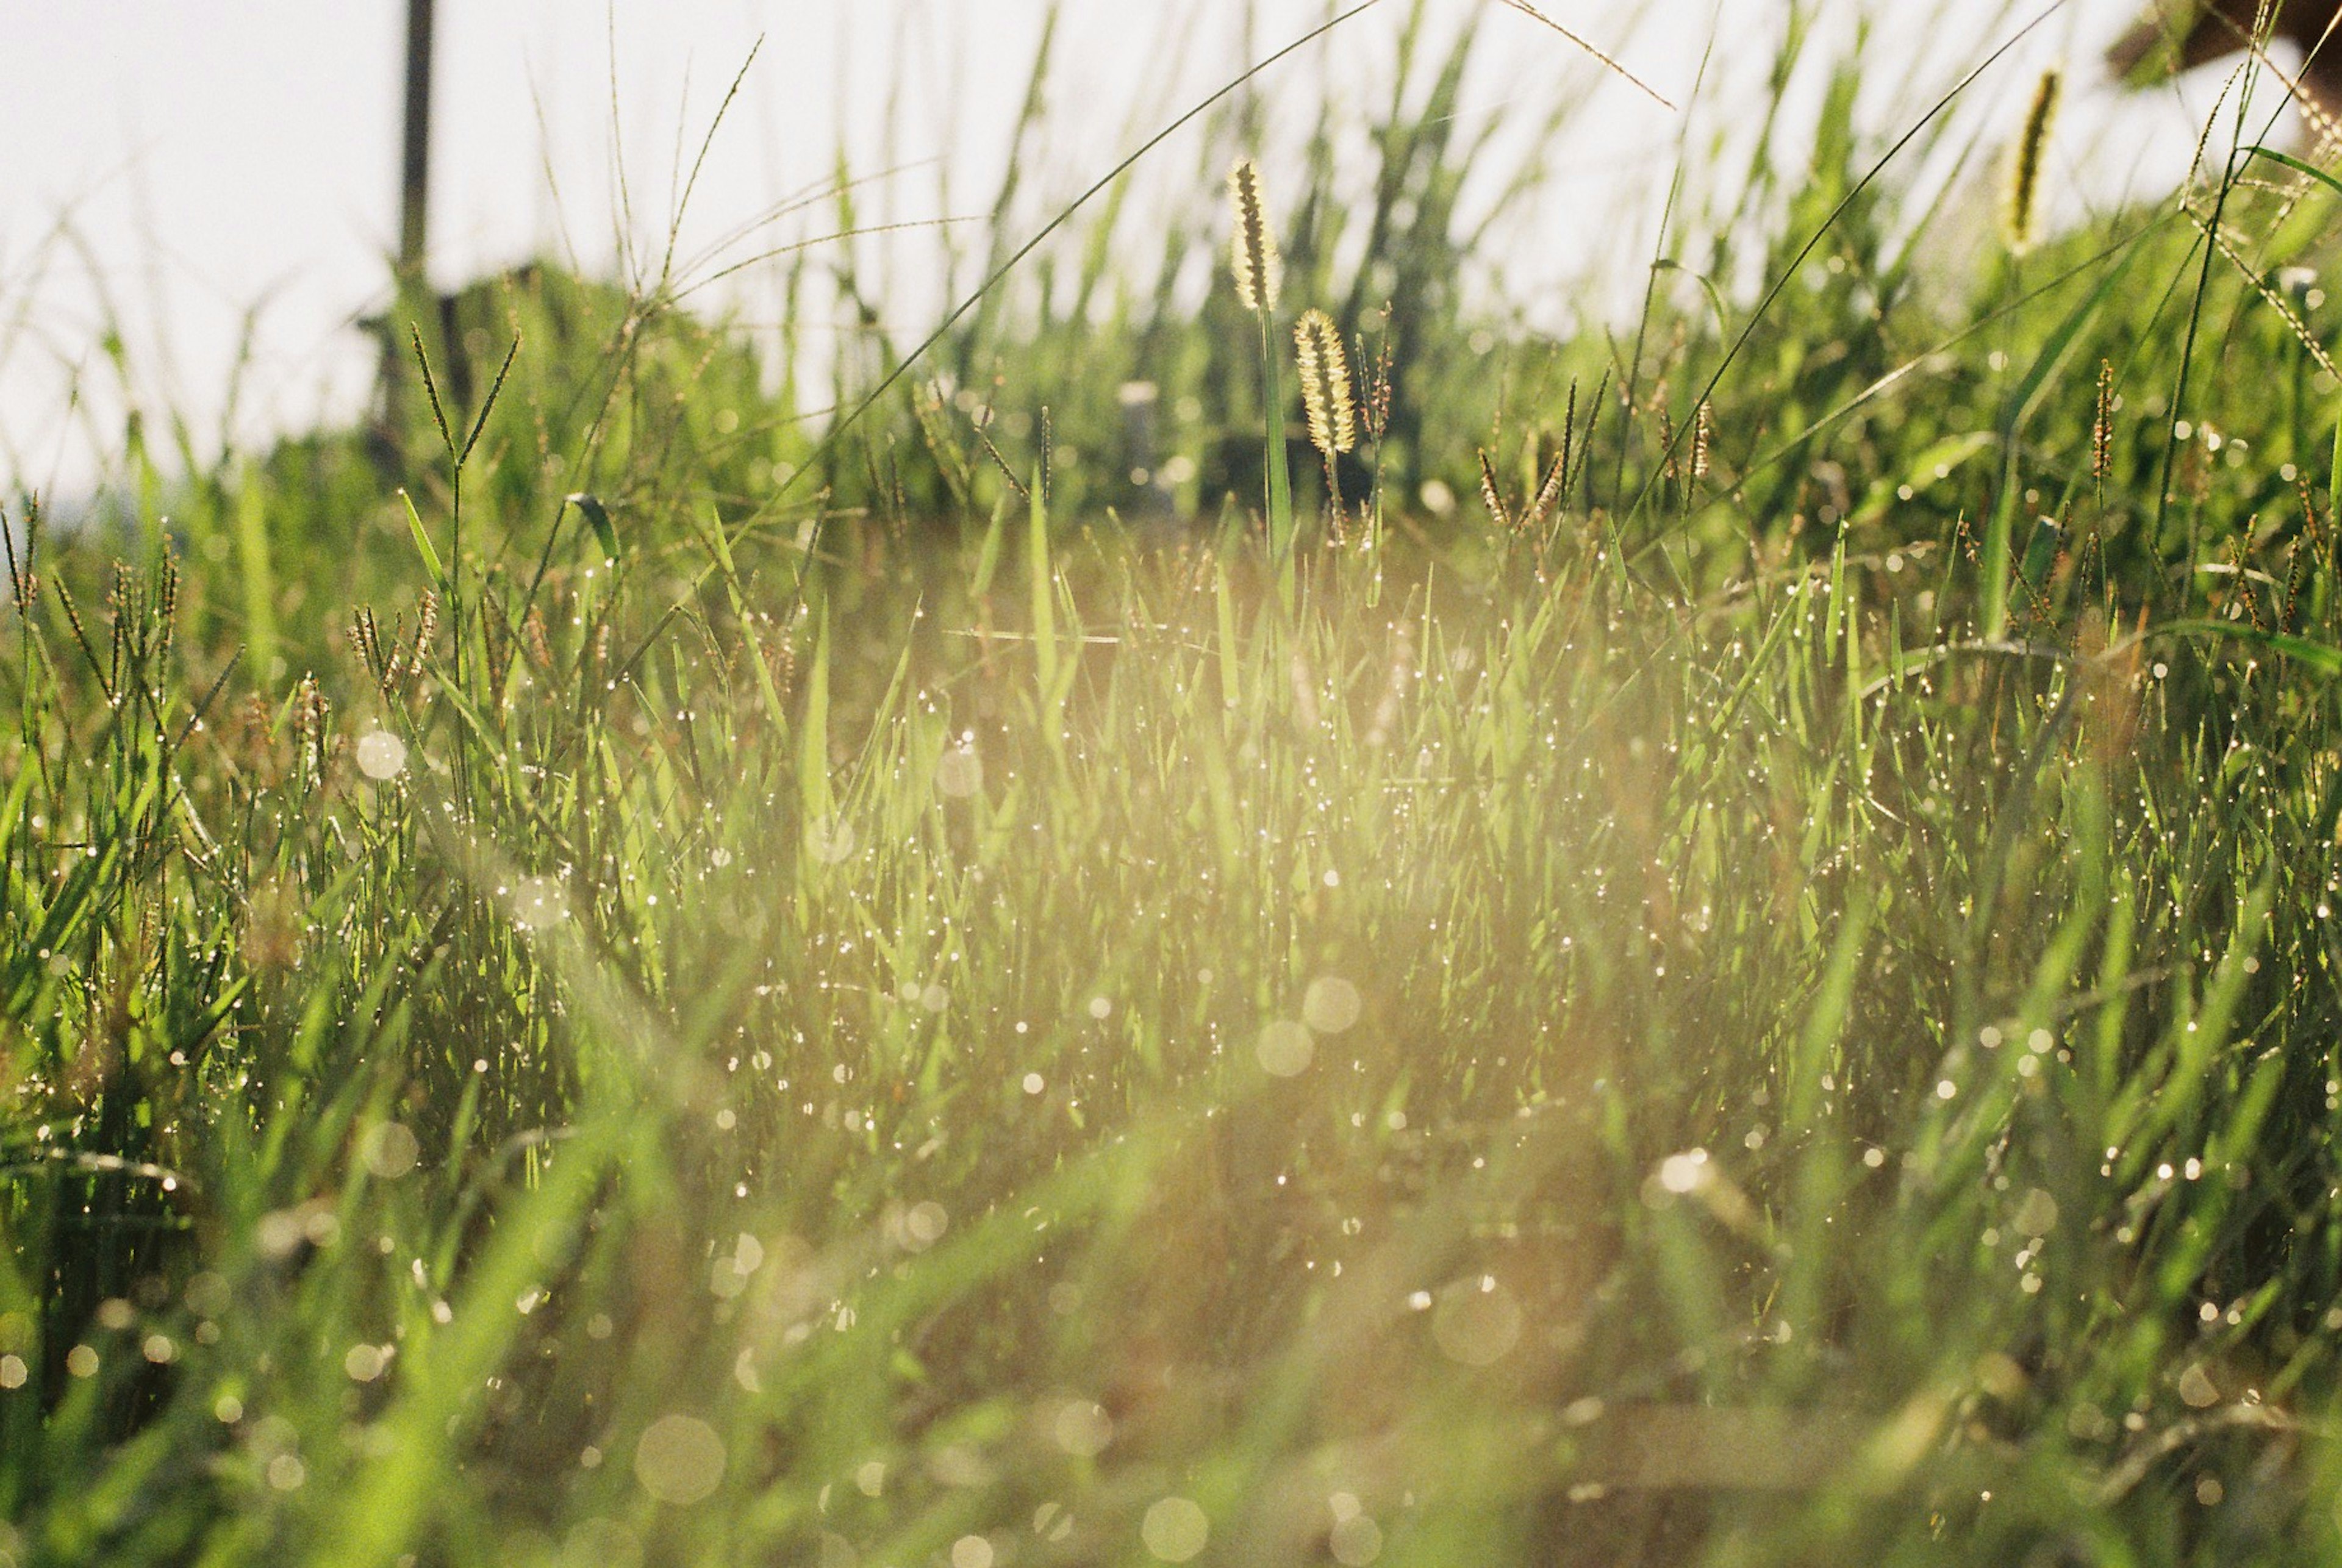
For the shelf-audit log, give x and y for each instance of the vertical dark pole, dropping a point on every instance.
(415, 155)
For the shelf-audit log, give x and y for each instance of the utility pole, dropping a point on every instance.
(415, 155)
(409, 289)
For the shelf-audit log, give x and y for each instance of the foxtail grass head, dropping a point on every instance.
(1325, 384)
(2021, 212)
(1252, 252)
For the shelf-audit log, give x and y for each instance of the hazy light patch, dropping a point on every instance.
(539, 904)
(389, 1150)
(1355, 1541)
(1331, 1005)
(381, 755)
(600, 1543)
(959, 773)
(1082, 1428)
(829, 840)
(1285, 1049)
(1174, 1529)
(679, 1460)
(1475, 1322)
(1684, 1172)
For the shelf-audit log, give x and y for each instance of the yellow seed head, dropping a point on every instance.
(1325, 384)
(1252, 252)
(2021, 217)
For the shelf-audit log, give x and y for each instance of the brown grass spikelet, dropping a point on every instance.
(1492, 496)
(1548, 496)
(2021, 214)
(2102, 430)
(1326, 394)
(533, 639)
(1259, 271)
(426, 623)
(312, 725)
(366, 637)
(24, 583)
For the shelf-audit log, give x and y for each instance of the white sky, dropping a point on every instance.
(177, 165)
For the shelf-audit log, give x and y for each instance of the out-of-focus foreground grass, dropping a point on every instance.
(667, 980)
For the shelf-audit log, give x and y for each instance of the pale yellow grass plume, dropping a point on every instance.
(2021, 214)
(1252, 252)
(1325, 384)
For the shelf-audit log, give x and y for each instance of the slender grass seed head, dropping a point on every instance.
(1325, 384)
(2021, 214)
(1252, 252)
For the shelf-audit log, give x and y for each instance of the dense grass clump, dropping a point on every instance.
(613, 969)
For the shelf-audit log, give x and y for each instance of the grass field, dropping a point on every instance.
(1732, 961)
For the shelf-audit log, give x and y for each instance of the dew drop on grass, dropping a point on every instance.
(1285, 1048)
(381, 755)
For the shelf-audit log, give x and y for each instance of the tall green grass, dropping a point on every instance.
(759, 988)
